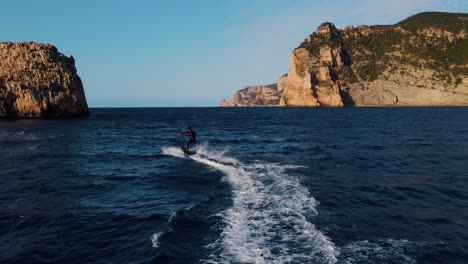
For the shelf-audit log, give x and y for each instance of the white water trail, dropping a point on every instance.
(172, 151)
(268, 221)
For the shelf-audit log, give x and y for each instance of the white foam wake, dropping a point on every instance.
(155, 239)
(173, 151)
(268, 221)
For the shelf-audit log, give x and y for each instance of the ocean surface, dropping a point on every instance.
(266, 185)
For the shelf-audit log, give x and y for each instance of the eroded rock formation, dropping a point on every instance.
(312, 78)
(37, 81)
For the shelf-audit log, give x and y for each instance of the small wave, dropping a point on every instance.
(381, 251)
(122, 178)
(34, 147)
(155, 239)
(25, 136)
(268, 221)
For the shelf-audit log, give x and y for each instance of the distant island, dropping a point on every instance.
(37, 81)
(420, 61)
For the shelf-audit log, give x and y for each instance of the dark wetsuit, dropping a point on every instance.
(192, 139)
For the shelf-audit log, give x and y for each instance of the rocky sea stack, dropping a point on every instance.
(421, 61)
(37, 81)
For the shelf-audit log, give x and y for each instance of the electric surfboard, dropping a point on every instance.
(187, 152)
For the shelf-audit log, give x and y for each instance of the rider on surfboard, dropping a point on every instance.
(192, 138)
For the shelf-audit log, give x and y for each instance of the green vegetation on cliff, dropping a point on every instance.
(420, 61)
(332, 39)
(433, 40)
(453, 22)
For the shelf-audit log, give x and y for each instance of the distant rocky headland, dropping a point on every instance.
(421, 61)
(37, 81)
(268, 95)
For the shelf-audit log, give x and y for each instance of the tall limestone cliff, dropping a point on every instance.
(37, 81)
(421, 61)
(312, 76)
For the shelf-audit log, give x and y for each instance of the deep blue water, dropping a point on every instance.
(267, 185)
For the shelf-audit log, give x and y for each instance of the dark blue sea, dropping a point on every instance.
(265, 185)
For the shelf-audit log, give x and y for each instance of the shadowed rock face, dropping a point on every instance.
(312, 79)
(37, 81)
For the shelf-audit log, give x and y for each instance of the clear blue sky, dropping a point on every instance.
(187, 53)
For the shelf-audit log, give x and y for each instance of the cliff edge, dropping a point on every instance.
(37, 81)
(312, 76)
(420, 61)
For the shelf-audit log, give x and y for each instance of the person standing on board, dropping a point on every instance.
(192, 137)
